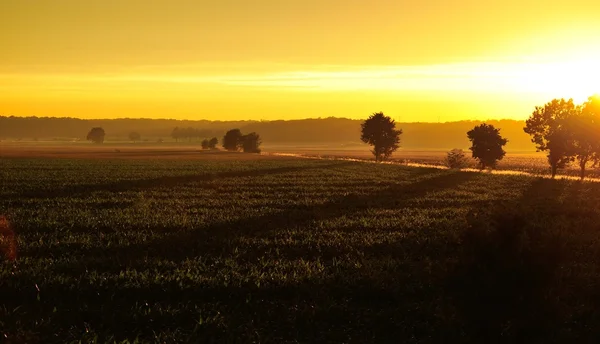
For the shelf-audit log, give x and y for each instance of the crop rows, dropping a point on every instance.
(293, 250)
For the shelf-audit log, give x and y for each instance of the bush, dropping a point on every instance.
(205, 144)
(456, 158)
(251, 143)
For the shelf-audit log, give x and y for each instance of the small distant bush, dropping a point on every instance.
(212, 143)
(251, 143)
(456, 158)
(205, 144)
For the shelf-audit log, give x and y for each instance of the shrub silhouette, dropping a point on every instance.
(205, 144)
(456, 158)
(251, 143)
(212, 143)
(96, 135)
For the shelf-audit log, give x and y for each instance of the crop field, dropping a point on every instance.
(220, 248)
(528, 162)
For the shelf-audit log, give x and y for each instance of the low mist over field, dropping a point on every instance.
(336, 131)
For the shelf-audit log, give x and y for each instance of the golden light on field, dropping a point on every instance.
(290, 59)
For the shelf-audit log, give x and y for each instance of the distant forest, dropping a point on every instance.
(302, 132)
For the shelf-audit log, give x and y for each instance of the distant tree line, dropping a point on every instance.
(233, 140)
(190, 133)
(330, 131)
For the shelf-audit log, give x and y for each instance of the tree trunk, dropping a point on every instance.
(553, 166)
(582, 164)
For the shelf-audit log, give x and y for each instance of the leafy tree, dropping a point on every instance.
(212, 143)
(205, 144)
(486, 145)
(176, 134)
(232, 141)
(584, 127)
(548, 125)
(134, 136)
(586, 133)
(251, 143)
(380, 132)
(456, 158)
(96, 135)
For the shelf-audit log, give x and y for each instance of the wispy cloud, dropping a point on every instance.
(567, 78)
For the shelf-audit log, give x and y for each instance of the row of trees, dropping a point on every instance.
(380, 132)
(233, 140)
(190, 133)
(97, 135)
(566, 131)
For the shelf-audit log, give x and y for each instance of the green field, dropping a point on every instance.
(285, 250)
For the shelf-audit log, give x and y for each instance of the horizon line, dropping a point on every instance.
(255, 120)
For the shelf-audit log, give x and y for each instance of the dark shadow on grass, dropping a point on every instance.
(504, 283)
(219, 239)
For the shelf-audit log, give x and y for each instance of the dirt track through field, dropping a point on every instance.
(437, 166)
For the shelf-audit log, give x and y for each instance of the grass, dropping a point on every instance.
(283, 250)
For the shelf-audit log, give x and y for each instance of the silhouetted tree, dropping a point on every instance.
(380, 132)
(212, 143)
(456, 158)
(176, 134)
(134, 136)
(251, 143)
(584, 127)
(205, 144)
(232, 141)
(96, 135)
(548, 125)
(586, 133)
(486, 145)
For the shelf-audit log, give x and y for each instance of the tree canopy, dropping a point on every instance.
(551, 131)
(212, 143)
(380, 132)
(96, 135)
(232, 141)
(487, 145)
(251, 143)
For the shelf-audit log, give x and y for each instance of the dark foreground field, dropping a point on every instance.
(289, 250)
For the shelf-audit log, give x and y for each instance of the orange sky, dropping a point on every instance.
(277, 59)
